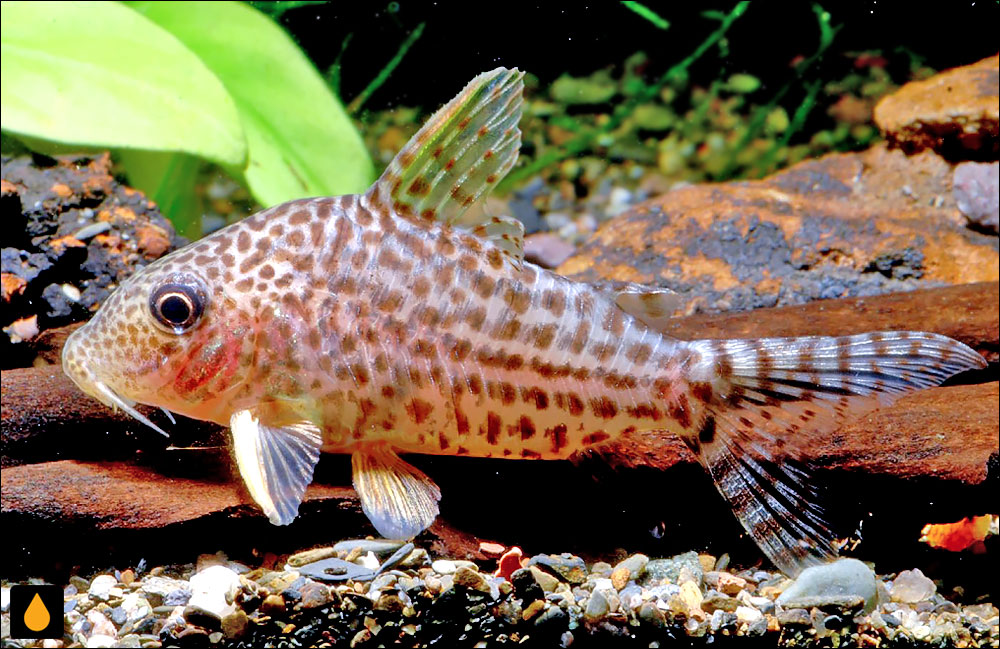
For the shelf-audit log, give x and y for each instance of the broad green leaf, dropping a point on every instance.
(99, 74)
(169, 180)
(301, 141)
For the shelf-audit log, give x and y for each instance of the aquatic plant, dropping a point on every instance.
(168, 85)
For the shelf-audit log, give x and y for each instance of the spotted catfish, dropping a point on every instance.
(380, 323)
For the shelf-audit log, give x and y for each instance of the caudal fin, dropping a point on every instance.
(761, 394)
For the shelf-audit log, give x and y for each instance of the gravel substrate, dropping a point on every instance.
(377, 593)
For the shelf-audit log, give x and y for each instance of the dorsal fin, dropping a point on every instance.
(464, 149)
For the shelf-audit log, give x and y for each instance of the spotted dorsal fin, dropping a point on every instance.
(464, 149)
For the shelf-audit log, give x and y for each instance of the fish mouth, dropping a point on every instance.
(77, 370)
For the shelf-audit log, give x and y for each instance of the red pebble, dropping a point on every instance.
(491, 550)
(508, 563)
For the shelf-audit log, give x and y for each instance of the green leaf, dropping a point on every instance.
(301, 142)
(98, 74)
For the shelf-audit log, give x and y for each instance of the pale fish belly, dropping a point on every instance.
(417, 336)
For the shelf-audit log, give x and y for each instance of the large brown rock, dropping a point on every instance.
(845, 225)
(955, 113)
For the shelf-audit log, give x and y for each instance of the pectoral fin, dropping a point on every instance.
(276, 462)
(397, 498)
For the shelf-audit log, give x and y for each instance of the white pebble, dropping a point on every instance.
(213, 590)
(747, 614)
(101, 587)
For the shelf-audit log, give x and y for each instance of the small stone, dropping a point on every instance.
(177, 597)
(651, 614)
(213, 591)
(235, 624)
(597, 606)
(156, 588)
(471, 579)
(390, 603)
(314, 594)
(491, 550)
(730, 584)
(208, 560)
(525, 585)
(571, 568)
(690, 598)
(509, 563)
(911, 586)
(844, 584)
(620, 577)
(100, 640)
(748, 615)
(533, 609)
(659, 569)
(128, 576)
(554, 617)
(976, 187)
(547, 249)
(444, 567)
(794, 617)
(544, 579)
(601, 569)
(635, 564)
(100, 624)
(716, 601)
(100, 587)
(707, 562)
(273, 605)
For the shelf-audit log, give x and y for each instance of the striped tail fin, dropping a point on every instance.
(762, 394)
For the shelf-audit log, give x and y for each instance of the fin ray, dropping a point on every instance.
(276, 463)
(770, 391)
(461, 151)
(398, 499)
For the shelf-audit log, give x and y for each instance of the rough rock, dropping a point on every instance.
(72, 233)
(845, 225)
(954, 112)
(845, 584)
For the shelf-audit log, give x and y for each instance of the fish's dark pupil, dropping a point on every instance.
(175, 309)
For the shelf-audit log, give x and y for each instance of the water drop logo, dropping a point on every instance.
(36, 612)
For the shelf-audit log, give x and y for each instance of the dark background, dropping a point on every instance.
(461, 40)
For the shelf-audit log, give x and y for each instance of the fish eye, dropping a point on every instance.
(177, 307)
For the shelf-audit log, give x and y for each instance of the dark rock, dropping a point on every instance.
(555, 618)
(954, 112)
(525, 586)
(845, 225)
(570, 568)
(69, 222)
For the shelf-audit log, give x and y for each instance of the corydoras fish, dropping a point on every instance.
(379, 324)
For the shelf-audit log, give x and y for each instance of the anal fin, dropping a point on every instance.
(276, 463)
(398, 499)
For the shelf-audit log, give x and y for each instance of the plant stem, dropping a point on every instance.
(360, 100)
(584, 140)
(826, 36)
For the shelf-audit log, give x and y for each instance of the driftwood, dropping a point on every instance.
(72, 464)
